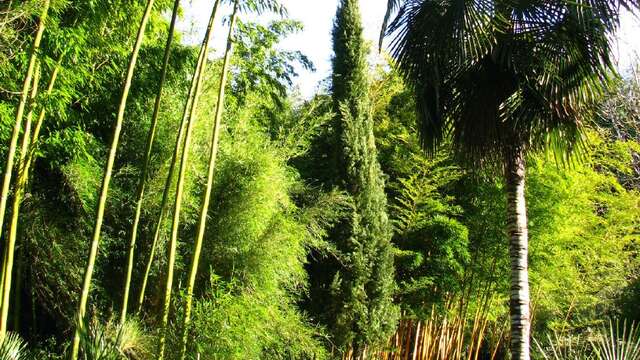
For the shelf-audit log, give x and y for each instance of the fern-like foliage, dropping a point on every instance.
(12, 347)
(113, 342)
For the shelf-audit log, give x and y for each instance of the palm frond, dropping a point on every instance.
(618, 341)
(446, 37)
(262, 6)
(493, 74)
(392, 7)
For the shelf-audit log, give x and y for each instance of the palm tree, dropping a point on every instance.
(24, 96)
(501, 78)
(173, 242)
(86, 285)
(145, 167)
(202, 223)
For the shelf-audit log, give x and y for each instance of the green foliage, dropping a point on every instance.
(583, 238)
(614, 341)
(254, 249)
(114, 342)
(12, 347)
(266, 69)
(433, 246)
(236, 324)
(310, 223)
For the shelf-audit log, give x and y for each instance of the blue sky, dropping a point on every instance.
(315, 40)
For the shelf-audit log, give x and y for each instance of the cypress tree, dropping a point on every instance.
(364, 313)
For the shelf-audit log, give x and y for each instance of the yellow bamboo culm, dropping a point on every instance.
(453, 332)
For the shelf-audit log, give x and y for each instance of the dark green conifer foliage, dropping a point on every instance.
(364, 311)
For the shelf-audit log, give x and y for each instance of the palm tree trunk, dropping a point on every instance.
(82, 306)
(518, 251)
(145, 168)
(9, 251)
(207, 194)
(180, 186)
(19, 116)
(169, 181)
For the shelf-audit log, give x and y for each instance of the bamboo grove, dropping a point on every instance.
(169, 199)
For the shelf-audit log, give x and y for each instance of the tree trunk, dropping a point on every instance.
(180, 186)
(82, 306)
(207, 194)
(518, 251)
(15, 134)
(145, 168)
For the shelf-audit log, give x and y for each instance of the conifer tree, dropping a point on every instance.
(364, 312)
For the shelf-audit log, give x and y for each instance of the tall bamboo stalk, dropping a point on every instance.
(38, 127)
(180, 185)
(17, 198)
(145, 168)
(15, 134)
(107, 178)
(169, 181)
(207, 194)
(27, 153)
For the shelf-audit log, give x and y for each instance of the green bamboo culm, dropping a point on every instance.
(29, 154)
(169, 182)
(180, 186)
(145, 168)
(41, 116)
(207, 193)
(107, 178)
(15, 134)
(364, 315)
(9, 251)
(28, 151)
